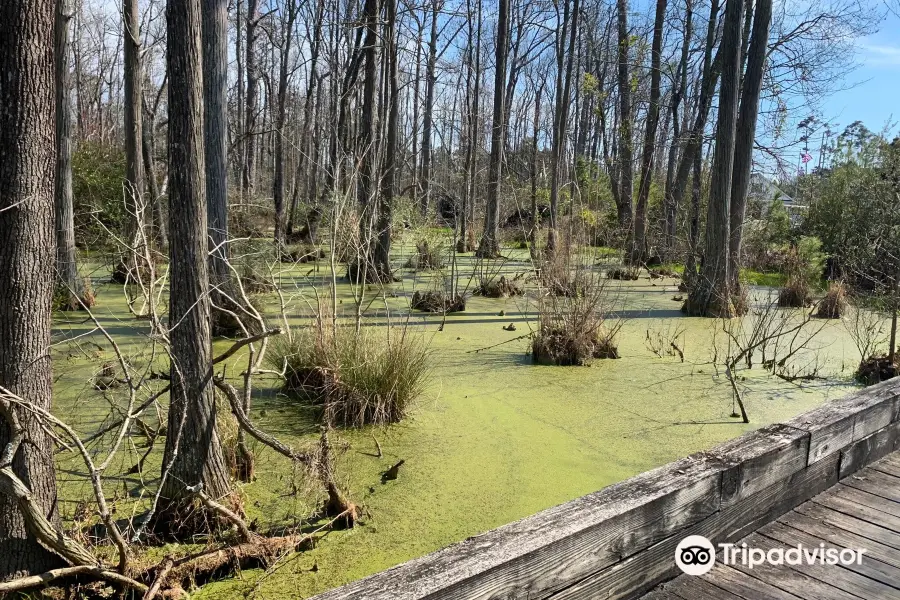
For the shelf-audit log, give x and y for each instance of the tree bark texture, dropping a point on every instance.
(192, 443)
(70, 286)
(711, 297)
(27, 263)
(490, 240)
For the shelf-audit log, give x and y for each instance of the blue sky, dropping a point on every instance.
(874, 97)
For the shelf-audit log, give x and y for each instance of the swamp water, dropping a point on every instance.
(494, 439)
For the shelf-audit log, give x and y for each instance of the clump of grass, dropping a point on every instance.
(573, 328)
(834, 304)
(626, 273)
(357, 378)
(436, 301)
(803, 266)
(795, 294)
(500, 288)
(428, 257)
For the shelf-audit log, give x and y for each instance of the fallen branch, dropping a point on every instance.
(241, 343)
(269, 440)
(222, 510)
(24, 583)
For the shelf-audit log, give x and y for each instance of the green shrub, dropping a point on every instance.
(368, 377)
(98, 172)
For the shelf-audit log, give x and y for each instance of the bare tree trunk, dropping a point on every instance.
(215, 124)
(148, 148)
(624, 158)
(711, 297)
(746, 133)
(490, 240)
(70, 287)
(468, 232)
(535, 217)
(252, 98)
(639, 242)
(428, 116)
(670, 210)
(134, 161)
(694, 140)
(561, 114)
(280, 117)
(28, 142)
(192, 443)
(382, 252)
(306, 164)
(690, 263)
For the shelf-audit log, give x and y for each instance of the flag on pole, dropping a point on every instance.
(805, 157)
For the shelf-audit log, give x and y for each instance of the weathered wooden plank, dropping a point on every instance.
(535, 556)
(833, 575)
(851, 524)
(876, 482)
(869, 449)
(836, 425)
(889, 464)
(840, 537)
(860, 511)
(758, 460)
(865, 498)
(795, 582)
(870, 567)
(632, 576)
(664, 595)
(746, 586)
(696, 588)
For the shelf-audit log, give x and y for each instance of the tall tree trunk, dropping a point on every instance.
(428, 115)
(561, 114)
(625, 158)
(639, 240)
(670, 211)
(490, 239)
(367, 146)
(280, 117)
(70, 287)
(694, 139)
(155, 196)
(382, 252)
(746, 133)
(251, 64)
(711, 297)
(28, 149)
(134, 160)
(468, 231)
(311, 143)
(193, 452)
(690, 263)
(215, 145)
(535, 217)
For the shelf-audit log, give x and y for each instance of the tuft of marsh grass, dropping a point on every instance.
(371, 376)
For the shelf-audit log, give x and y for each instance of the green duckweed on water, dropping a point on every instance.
(494, 439)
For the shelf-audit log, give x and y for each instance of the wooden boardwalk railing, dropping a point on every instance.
(620, 541)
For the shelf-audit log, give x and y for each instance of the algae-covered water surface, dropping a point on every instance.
(493, 439)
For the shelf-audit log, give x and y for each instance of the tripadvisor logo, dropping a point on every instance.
(696, 555)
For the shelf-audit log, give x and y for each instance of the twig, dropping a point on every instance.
(521, 337)
(241, 343)
(377, 446)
